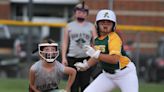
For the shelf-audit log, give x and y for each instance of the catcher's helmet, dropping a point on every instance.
(81, 7)
(106, 15)
(49, 56)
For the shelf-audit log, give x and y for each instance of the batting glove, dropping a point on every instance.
(82, 66)
(91, 52)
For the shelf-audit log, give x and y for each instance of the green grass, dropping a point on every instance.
(148, 87)
(13, 85)
(21, 85)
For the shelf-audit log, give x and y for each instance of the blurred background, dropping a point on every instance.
(24, 23)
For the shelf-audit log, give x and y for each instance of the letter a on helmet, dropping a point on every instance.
(106, 15)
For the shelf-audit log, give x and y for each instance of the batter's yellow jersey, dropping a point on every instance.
(112, 44)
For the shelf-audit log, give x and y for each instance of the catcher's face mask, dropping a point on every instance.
(48, 51)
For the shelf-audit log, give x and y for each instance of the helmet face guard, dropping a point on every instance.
(48, 56)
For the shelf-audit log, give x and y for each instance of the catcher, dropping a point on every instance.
(117, 68)
(45, 75)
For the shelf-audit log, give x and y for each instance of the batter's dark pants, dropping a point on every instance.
(82, 79)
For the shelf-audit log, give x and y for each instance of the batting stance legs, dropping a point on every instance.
(125, 79)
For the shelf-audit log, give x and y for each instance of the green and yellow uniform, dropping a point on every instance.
(112, 44)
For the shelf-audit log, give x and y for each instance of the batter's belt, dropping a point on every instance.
(113, 71)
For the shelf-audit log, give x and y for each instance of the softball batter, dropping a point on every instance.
(118, 70)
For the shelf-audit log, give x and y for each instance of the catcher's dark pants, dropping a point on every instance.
(82, 79)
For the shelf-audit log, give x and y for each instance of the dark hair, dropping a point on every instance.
(47, 40)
